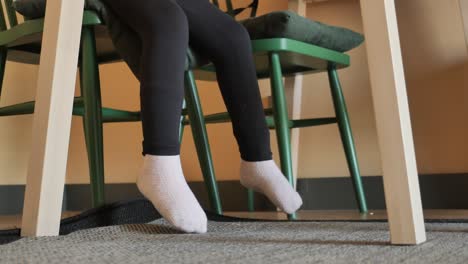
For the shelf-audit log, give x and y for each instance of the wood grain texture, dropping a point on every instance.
(293, 87)
(401, 184)
(52, 118)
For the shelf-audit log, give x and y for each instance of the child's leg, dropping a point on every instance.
(163, 29)
(227, 43)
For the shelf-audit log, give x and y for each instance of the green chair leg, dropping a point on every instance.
(250, 200)
(347, 137)
(280, 112)
(92, 118)
(200, 137)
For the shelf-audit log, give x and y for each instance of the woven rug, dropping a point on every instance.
(231, 240)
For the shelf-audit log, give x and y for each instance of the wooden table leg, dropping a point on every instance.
(293, 89)
(400, 175)
(464, 12)
(52, 118)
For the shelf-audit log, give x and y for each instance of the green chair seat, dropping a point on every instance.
(297, 38)
(304, 45)
(296, 57)
(24, 42)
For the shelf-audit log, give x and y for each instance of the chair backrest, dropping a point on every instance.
(253, 6)
(7, 5)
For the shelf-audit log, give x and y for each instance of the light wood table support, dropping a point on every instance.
(464, 13)
(400, 176)
(392, 115)
(293, 90)
(52, 118)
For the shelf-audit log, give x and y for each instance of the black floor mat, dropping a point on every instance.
(125, 212)
(142, 211)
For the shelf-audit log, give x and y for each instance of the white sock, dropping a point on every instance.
(162, 181)
(265, 177)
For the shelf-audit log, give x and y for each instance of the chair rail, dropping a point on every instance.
(253, 6)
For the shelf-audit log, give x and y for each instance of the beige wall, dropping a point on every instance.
(435, 59)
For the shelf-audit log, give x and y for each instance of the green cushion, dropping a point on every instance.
(288, 24)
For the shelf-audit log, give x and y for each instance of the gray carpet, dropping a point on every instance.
(242, 242)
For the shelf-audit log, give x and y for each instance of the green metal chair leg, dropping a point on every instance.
(347, 137)
(250, 200)
(280, 111)
(197, 123)
(92, 118)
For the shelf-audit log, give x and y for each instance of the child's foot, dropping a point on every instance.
(162, 181)
(265, 177)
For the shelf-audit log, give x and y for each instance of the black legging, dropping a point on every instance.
(166, 27)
